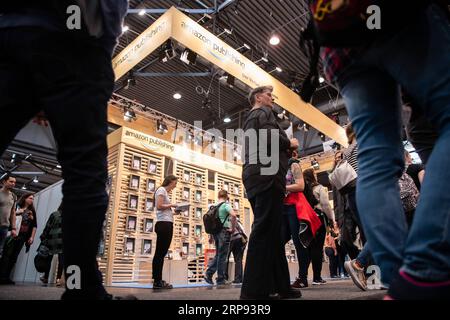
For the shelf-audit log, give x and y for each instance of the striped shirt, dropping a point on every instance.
(351, 155)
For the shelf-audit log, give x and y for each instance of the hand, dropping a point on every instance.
(30, 241)
(294, 143)
(13, 233)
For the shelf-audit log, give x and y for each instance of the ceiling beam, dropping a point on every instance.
(172, 74)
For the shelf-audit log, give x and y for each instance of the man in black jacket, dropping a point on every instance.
(266, 273)
(45, 65)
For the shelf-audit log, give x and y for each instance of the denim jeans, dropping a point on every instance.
(71, 80)
(364, 256)
(417, 58)
(219, 262)
(291, 228)
(3, 233)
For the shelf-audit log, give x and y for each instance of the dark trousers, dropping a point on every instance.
(313, 254)
(60, 267)
(342, 253)
(11, 252)
(266, 268)
(237, 248)
(164, 232)
(71, 80)
(333, 260)
(291, 228)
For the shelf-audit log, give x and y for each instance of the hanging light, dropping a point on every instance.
(35, 179)
(315, 164)
(24, 187)
(161, 127)
(129, 114)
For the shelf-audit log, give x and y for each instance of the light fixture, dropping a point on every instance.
(244, 48)
(177, 96)
(24, 187)
(277, 69)
(35, 179)
(230, 80)
(167, 52)
(125, 29)
(226, 119)
(305, 127)
(130, 81)
(236, 154)
(142, 12)
(13, 158)
(161, 127)
(274, 40)
(227, 31)
(188, 57)
(129, 114)
(58, 166)
(321, 80)
(214, 144)
(315, 164)
(322, 136)
(189, 136)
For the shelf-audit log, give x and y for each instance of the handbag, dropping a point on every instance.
(342, 175)
(43, 258)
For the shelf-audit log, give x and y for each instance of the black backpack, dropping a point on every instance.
(211, 220)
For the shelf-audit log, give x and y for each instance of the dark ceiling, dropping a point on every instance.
(252, 22)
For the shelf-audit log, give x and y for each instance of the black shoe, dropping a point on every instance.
(293, 293)
(300, 283)
(162, 285)
(7, 282)
(272, 296)
(319, 281)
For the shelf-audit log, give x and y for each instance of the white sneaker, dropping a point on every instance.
(357, 274)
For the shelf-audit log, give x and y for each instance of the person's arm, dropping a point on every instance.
(267, 121)
(299, 184)
(13, 221)
(160, 205)
(325, 204)
(421, 175)
(33, 234)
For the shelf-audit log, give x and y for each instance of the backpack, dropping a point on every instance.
(211, 220)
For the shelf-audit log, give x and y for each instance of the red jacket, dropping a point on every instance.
(304, 210)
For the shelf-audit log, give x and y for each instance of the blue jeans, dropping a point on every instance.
(363, 257)
(3, 233)
(219, 262)
(418, 59)
(291, 228)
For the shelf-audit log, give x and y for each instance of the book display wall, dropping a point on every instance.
(134, 237)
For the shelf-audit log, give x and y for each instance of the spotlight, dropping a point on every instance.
(315, 164)
(13, 158)
(244, 48)
(188, 57)
(277, 69)
(142, 12)
(161, 127)
(35, 179)
(322, 136)
(274, 40)
(321, 80)
(305, 127)
(226, 119)
(125, 29)
(130, 81)
(177, 96)
(24, 187)
(167, 52)
(129, 115)
(227, 31)
(58, 166)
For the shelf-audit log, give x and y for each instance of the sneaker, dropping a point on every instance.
(43, 279)
(318, 282)
(300, 283)
(208, 280)
(162, 285)
(291, 294)
(405, 287)
(224, 283)
(357, 274)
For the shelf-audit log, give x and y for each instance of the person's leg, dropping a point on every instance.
(223, 252)
(332, 265)
(370, 96)
(9, 258)
(317, 252)
(162, 230)
(266, 269)
(74, 93)
(213, 263)
(364, 256)
(238, 253)
(423, 51)
(304, 259)
(3, 233)
(294, 228)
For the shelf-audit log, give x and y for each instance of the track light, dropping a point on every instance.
(322, 136)
(142, 12)
(24, 187)
(13, 158)
(129, 114)
(315, 164)
(227, 31)
(130, 81)
(161, 127)
(277, 69)
(244, 48)
(188, 57)
(167, 52)
(35, 179)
